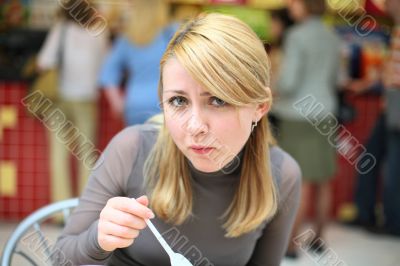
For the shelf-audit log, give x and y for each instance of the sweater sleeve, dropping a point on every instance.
(78, 242)
(271, 246)
(47, 57)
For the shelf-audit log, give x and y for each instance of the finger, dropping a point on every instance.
(110, 228)
(115, 241)
(123, 218)
(131, 206)
(143, 200)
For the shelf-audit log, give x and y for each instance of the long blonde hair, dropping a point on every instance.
(227, 59)
(147, 19)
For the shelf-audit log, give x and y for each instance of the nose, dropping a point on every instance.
(197, 125)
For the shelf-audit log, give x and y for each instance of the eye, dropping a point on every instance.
(177, 101)
(217, 102)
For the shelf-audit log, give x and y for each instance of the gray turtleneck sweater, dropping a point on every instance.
(201, 238)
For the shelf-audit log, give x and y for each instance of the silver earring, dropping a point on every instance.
(253, 125)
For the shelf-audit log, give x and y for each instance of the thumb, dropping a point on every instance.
(143, 200)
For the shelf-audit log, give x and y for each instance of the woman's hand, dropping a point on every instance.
(121, 221)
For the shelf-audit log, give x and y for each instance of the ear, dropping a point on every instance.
(264, 107)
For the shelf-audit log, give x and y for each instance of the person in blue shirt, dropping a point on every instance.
(137, 53)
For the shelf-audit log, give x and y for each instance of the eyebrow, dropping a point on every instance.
(184, 93)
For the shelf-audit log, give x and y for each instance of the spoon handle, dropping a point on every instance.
(159, 237)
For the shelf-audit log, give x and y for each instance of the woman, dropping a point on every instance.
(280, 23)
(219, 189)
(309, 71)
(391, 194)
(137, 53)
(78, 56)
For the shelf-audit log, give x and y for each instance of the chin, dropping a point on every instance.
(206, 167)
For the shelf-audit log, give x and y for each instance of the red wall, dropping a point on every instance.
(25, 146)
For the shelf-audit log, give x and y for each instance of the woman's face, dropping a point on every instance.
(297, 10)
(208, 131)
(277, 28)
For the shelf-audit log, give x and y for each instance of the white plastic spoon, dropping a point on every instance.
(176, 258)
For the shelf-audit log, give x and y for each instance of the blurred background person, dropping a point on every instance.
(137, 53)
(391, 195)
(279, 24)
(384, 145)
(309, 68)
(78, 56)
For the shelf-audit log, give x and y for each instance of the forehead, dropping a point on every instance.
(173, 67)
(177, 78)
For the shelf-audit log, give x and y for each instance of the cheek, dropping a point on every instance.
(171, 127)
(174, 122)
(233, 133)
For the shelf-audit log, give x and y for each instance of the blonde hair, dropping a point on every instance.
(227, 59)
(147, 19)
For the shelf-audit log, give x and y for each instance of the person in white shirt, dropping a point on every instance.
(78, 55)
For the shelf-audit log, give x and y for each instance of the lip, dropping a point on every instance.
(201, 149)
